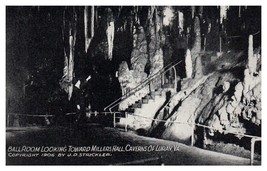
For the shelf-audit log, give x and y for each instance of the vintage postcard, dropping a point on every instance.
(133, 85)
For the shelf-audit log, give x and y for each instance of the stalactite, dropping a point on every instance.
(136, 18)
(200, 11)
(88, 38)
(155, 51)
(252, 60)
(239, 11)
(168, 16)
(96, 15)
(119, 12)
(188, 64)
(110, 33)
(181, 21)
(68, 70)
(223, 13)
(72, 41)
(197, 43)
(157, 24)
(150, 14)
(71, 63)
(66, 61)
(193, 11)
(92, 21)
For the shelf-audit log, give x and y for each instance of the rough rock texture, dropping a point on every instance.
(129, 79)
(139, 55)
(139, 58)
(168, 111)
(179, 131)
(125, 77)
(222, 99)
(252, 87)
(155, 52)
(252, 97)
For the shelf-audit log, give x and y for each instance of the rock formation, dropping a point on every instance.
(70, 30)
(155, 51)
(188, 64)
(129, 79)
(197, 44)
(220, 99)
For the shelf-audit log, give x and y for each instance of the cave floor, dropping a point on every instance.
(158, 152)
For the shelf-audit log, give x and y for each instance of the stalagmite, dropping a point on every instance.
(250, 81)
(198, 68)
(134, 77)
(226, 86)
(238, 92)
(124, 77)
(110, 33)
(188, 64)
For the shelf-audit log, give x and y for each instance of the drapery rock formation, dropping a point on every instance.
(220, 100)
(139, 54)
(129, 79)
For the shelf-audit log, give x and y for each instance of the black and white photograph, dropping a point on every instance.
(133, 85)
